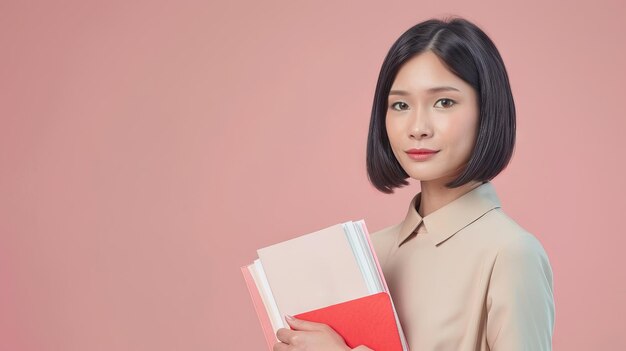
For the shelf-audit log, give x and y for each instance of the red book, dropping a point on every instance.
(368, 321)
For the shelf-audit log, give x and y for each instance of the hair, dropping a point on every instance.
(468, 53)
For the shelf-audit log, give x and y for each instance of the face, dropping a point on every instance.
(430, 108)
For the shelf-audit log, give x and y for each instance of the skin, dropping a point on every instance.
(444, 120)
(310, 336)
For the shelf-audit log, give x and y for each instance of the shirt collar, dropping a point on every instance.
(454, 216)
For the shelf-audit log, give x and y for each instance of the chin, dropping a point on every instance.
(425, 172)
(424, 176)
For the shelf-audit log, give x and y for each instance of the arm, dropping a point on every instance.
(520, 302)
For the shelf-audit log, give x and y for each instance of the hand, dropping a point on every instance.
(308, 336)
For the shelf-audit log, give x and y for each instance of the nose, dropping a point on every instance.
(420, 126)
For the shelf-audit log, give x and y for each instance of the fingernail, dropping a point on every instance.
(289, 318)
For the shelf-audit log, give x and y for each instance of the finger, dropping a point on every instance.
(279, 346)
(285, 335)
(300, 324)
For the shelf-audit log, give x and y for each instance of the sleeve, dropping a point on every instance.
(520, 301)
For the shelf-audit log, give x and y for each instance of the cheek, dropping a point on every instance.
(468, 139)
(392, 132)
(460, 136)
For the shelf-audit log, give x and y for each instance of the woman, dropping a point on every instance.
(462, 274)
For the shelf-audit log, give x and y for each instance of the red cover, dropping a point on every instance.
(368, 321)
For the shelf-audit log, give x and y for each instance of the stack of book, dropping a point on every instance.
(330, 276)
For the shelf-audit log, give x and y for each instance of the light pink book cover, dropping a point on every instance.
(298, 267)
(259, 307)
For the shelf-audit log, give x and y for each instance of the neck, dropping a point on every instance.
(435, 195)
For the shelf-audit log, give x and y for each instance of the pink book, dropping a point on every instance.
(329, 276)
(259, 307)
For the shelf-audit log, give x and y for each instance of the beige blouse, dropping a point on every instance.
(467, 277)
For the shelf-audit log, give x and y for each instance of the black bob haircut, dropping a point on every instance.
(468, 53)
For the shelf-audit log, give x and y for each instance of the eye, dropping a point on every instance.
(445, 103)
(403, 104)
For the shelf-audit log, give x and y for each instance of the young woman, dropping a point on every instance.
(462, 274)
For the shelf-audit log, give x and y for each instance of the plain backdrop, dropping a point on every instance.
(148, 148)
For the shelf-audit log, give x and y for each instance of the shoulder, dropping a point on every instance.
(518, 252)
(386, 236)
(383, 240)
(507, 236)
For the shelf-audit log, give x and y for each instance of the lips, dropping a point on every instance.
(421, 151)
(421, 154)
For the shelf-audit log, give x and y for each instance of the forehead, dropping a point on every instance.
(425, 71)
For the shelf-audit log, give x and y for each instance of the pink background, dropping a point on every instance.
(148, 148)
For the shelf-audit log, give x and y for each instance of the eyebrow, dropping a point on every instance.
(430, 90)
